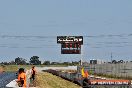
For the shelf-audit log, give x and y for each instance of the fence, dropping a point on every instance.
(118, 70)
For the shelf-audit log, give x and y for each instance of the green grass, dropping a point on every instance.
(13, 68)
(47, 80)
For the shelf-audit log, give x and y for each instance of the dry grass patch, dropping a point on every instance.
(47, 80)
(13, 68)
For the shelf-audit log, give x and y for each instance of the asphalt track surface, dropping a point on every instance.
(5, 78)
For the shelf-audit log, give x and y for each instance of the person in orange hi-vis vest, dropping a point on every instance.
(86, 74)
(21, 78)
(86, 80)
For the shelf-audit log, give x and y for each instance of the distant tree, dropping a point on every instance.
(20, 61)
(46, 63)
(27, 63)
(79, 62)
(35, 60)
(121, 61)
(109, 62)
(12, 63)
(75, 63)
(114, 61)
(65, 63)
(17, 60)
(4, 63)
(55, 63)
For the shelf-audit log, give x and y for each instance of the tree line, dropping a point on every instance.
(34, 60)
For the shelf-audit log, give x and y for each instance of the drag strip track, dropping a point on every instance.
(5, 78)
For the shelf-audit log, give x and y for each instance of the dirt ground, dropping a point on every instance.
(47, 80)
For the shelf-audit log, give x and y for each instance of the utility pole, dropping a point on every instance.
(111, 57)
(111, 62)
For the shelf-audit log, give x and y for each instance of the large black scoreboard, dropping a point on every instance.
(70, 44)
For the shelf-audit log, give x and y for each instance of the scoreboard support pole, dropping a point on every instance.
(81, 61)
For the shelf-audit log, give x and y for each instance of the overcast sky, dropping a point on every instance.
(30, 27)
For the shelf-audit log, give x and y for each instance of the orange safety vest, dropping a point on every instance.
(22, 76)
(86, 74)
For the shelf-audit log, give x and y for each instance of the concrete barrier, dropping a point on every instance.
(39, 69)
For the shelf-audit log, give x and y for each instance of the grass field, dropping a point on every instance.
(47, 80)
(12, 68)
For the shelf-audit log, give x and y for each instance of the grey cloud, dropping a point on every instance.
(14, 47)
(123, 42)
(109, 36)
(96, 47)
(45, 37)
(2, 46)
(32, 47)
(94, 36)
(119, 46)
(129, 34)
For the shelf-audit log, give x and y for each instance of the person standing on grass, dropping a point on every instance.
(33, 73)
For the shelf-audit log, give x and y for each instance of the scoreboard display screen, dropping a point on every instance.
(70, 44)
(63, 51)
(70, 48)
